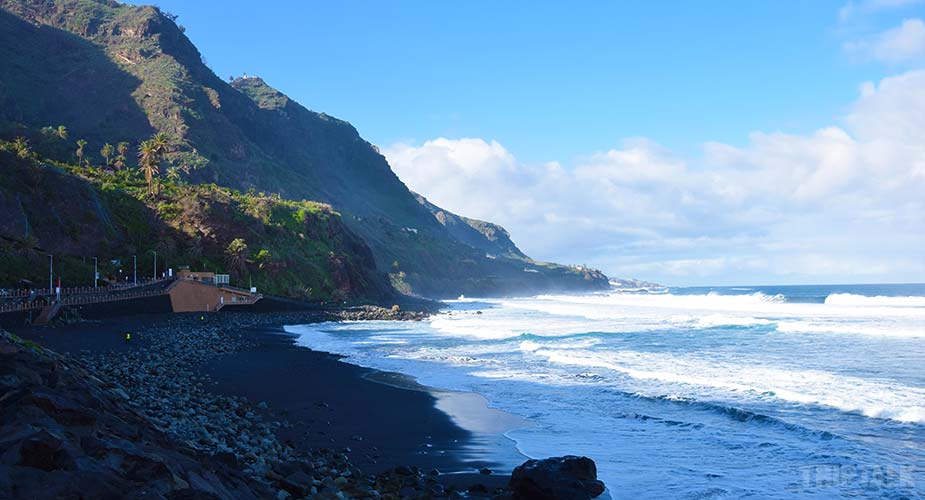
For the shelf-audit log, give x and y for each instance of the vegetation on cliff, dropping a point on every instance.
(77, 212)
(114, 73)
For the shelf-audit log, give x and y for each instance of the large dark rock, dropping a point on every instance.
(43, 451)
(63, 435)
(556, 478)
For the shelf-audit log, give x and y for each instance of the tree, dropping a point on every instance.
(175, 174)
(21, 145)
(194, 248)
(160, 143)
(262, 258)
(61, 132)
(150, 155)
(106, 153)
(149, 159)
(236, 256)
(121, 149)
(26, 246)
(80, 150)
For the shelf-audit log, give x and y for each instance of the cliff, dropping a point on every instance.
(112, 72)
(299, 249)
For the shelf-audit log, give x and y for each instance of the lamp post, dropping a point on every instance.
(155, 265)
(96, 272)
(135, 269)
(51, 273)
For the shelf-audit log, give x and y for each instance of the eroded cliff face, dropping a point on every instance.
(54, 211)
(112, 72)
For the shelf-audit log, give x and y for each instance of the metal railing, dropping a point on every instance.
(24, 300)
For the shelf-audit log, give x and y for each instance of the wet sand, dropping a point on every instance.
(385, 419)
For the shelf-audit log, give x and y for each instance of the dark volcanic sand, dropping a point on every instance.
(328, 403)
(332, 404)
(91, 335)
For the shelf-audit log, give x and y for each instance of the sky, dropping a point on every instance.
(689, 143)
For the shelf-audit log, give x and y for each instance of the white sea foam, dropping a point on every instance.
(615, 312)
(715, 320)
(530, 346)
(676, 386)
(700, 378)
(850, 299)
(872, 328)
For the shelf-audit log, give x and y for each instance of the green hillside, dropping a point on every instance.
(112, 72)
(299, 249)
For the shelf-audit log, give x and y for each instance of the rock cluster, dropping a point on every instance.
(64, 433)
(370, 313)
(162, 382)
(159, 386)
(142, 422)
(557, 478)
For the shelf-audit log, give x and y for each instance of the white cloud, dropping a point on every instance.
(905, 42)
(852, 9)
(844, 201)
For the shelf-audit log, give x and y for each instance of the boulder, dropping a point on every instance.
(46, 452)
(298, 483)
(556, 478)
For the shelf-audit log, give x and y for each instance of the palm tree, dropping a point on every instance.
(236, 256)
(21, 145)
(160, 142)
(194, 249)
(106, 153)
(149, 159)
(121, 149)
(61, 132)
(80, 150)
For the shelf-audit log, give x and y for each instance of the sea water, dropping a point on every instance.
(734, 392)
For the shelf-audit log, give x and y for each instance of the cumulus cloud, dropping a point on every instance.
(844, 201)
(852, 8)
(905, 42)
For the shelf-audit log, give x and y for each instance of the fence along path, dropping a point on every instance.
(24, 300)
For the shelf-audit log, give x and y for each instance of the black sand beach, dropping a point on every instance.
(332, 404)
(378, 420)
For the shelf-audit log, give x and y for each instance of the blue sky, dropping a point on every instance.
(686, 142)
(549, 80)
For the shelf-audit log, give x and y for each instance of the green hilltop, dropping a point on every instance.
(114, 73)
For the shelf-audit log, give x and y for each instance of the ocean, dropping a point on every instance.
(723, 392)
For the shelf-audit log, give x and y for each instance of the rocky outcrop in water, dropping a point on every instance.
(373, 313)
(557, 478)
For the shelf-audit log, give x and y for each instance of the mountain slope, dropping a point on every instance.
(298, 249)
(142, 75)
(486, 236)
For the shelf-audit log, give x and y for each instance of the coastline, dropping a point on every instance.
(377, 420)
(485, 443)
(386, 419)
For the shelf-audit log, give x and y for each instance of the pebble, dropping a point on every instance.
(161, 380)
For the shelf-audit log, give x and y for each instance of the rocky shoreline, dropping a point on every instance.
(159, 385)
